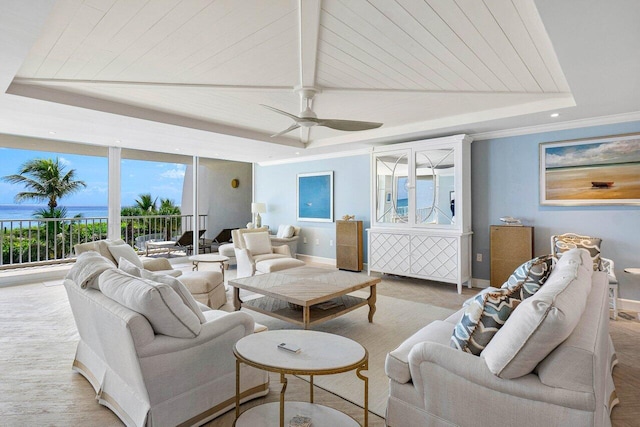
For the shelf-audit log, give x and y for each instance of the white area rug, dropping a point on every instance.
(394, 321)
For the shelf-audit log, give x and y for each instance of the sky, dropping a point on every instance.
(617, 151)
(162, 180)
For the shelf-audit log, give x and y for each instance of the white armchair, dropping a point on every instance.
(256, 254)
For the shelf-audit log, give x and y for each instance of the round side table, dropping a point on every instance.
(320, 354)
(196, 259)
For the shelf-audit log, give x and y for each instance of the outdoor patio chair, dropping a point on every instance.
(223, 237)
(186, 241)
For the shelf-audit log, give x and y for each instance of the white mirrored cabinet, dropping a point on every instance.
(421, 210)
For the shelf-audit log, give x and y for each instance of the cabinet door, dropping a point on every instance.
(392, 187)
(435, 257)
(435, 187)
(389, 252)
(349, 245)
(510, 247)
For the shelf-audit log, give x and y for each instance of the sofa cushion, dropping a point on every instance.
(125, 251)
(396, 364)
(530, 276)
(160, 304)
(258, 243)
(129, 267)
(482, 318)
(574, 364)
(179, 288)
(542, 321)
(563, 244)
(276, 264)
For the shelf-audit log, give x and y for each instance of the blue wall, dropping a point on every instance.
(276, 186)
(504, 180)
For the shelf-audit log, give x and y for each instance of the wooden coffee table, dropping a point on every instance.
(306, 295)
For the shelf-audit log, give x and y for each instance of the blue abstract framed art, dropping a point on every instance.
(315, 197)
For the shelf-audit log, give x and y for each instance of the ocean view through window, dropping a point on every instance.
(26, 211)
(51, 201)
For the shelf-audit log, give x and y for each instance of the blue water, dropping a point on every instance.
(27, 211)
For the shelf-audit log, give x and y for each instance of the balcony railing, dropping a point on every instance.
(28, 242)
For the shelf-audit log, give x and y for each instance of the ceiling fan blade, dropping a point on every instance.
(289, 129)
(291, 116)
(348, 125)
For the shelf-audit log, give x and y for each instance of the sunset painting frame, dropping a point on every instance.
(591, 172)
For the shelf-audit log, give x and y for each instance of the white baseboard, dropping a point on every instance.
(480, 283)
(629, 304)
(316, 259)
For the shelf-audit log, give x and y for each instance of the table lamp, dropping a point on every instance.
(258, 208)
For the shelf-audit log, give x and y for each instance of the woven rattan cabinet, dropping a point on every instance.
(349, 245)
(510, 247)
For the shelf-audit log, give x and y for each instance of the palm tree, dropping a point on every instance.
(168, 207)
(45, 180)
(147, 203)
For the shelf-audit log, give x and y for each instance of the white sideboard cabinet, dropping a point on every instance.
(421, 210)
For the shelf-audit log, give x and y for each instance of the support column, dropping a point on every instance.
(196, 217)
(114, 200)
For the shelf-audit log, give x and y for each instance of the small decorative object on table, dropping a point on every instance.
(300, 421)
(348, 217)
(509, 220)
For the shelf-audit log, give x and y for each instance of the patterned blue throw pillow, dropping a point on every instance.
(482, 318)
(530, 276)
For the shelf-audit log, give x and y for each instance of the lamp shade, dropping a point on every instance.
(258, 208)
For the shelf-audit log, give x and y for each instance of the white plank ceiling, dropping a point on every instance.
(414, 65)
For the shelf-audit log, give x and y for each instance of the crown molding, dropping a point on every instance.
(572, 124)
(315, 157)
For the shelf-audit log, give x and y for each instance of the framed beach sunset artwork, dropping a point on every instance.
(598, 171)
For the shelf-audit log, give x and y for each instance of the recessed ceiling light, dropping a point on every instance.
(554, 115)
(118, 141)
(297, 153)
(52, 133)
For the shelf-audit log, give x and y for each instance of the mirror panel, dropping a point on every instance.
(435, 187)
(392, 189)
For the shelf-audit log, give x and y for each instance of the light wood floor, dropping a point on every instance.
(37, 385)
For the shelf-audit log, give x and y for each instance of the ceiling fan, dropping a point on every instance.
(308, 118)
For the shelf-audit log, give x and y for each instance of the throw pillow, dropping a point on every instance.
(158, 302)
(179, 288)
(87, 268)
(258, 243)
(129, 267)
(125, 251)
(281, 231)
(592, 244)
(483, 317)
(285, 231)
(541, 322)
(528, 278)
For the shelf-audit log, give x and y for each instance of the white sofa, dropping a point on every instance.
(206, 287)
(150, 379)
(433, 384)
